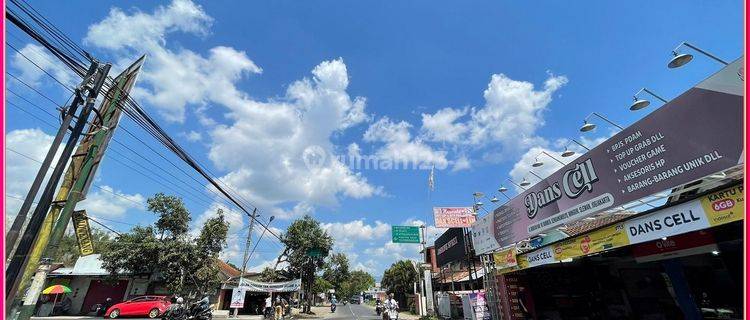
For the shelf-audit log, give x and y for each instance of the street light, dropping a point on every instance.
(590, 126)
(502, 189)
(538, 163)
(525, 183)
(568, 152)
(494, 199)
(681, 59)
(516, 184)
(639, 104)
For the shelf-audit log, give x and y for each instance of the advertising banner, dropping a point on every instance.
(83, 232)
(597, 241)
(725, 206)
(505, 258)
(450, 246)
(454, 217)
(483, 235)
(257, 286)
(682, 218)
(673, 145)
(687, 244)
(536, 258)
(478, 303)
(405, 234)
(238, 298)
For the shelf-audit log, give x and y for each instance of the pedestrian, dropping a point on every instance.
(279, 309)
(268, 310)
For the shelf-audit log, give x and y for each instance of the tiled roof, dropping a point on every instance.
(227, 270)
(588, 224)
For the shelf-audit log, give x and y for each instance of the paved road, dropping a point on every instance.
(354, 311)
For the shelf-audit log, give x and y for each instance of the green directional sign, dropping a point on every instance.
(405, 234)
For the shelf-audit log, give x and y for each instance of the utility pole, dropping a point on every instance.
(78, 178)
(244, 255)
(20, 258)
(15, 229)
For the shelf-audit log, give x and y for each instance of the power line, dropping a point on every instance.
(130, 107)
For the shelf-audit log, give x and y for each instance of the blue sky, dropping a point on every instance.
(477, 90)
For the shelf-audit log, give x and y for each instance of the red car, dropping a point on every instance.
(151, 306)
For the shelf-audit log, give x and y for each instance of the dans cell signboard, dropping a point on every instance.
(696, 134)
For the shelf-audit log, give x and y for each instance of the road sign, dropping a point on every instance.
(405, 234)
(314, 252)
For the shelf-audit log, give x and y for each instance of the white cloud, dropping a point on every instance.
(193, 136)
(20, 170)
(110, 203)
(346, 234)
(442, 126)
(512, 112)
(401, 148)
(461, 163)
(173, 79)
(260, 144)
(32, 74)
(264, 149)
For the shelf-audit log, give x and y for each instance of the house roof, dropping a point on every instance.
(227, 270)
(588, 224)
(90, 265)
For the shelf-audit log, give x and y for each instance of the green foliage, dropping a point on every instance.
(321, 285)
(357, 282)
(186, 265)
(268, 274)
(399, 279)
(336, 270)
(68, 252)
(302, 235)
(173, 216)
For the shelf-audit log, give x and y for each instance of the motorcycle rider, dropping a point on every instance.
(333, 304)
(391, 308)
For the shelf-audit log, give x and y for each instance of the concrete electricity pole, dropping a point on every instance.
(77, 180)
(244, 255)
(20, 259)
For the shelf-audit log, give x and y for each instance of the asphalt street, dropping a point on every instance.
(354, 311)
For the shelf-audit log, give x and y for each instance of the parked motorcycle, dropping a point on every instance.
(200, 310)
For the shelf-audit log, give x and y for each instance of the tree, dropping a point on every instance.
(399, 279)
(301, 237)
(321, 285)
(69, 252)
(186, 264)
(173, 216)
(359, 281)
(336, 270)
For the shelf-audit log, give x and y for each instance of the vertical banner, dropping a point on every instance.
(238, 298)
(83, 232)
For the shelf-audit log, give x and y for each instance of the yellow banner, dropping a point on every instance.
(83, 232)
(505, 258)
(724, 206)
(604, 239)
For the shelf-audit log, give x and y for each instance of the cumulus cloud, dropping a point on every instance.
(29, 147)
(110, 203)
(258, 144)
(173, 79)
(32, 74)
(346, 234)
(443, 125)
(399, 146)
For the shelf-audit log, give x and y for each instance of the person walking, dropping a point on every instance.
(279, 309)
